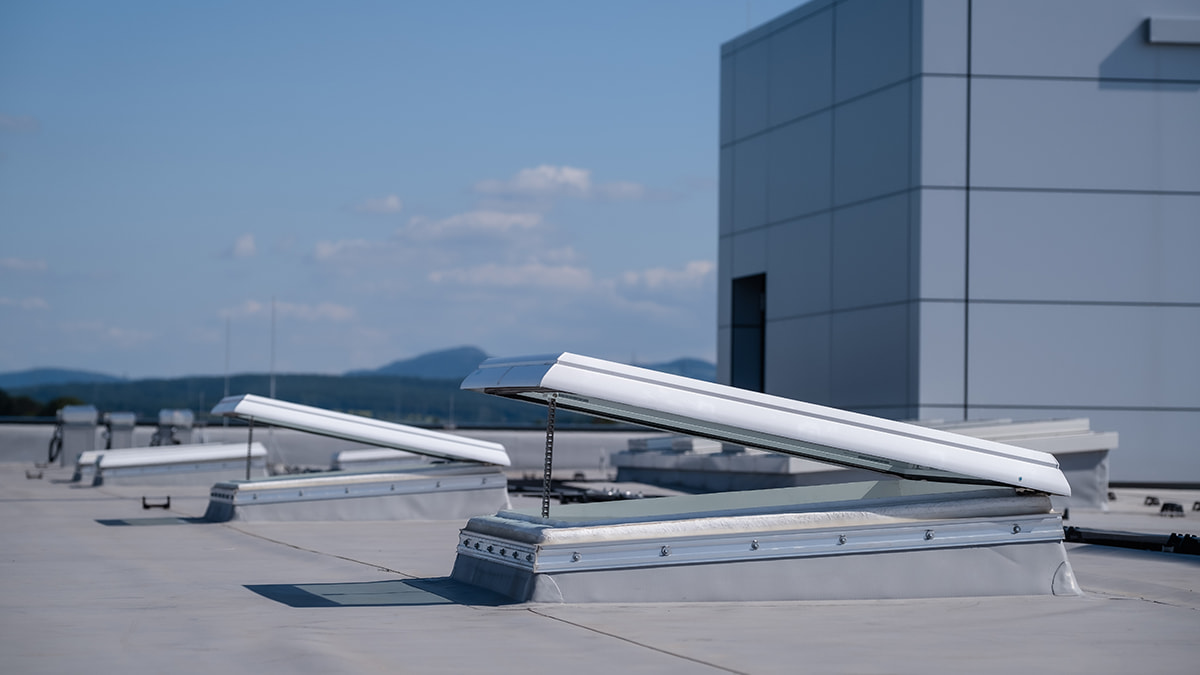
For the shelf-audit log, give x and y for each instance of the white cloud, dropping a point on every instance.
(325, 311)
(620, 191)
(244, 247)
(536, 274)
(473, 222)
(22, 265)
(25, 303)
(247, 308)
(541, 181)
(18, 123)
(382, 205)
(692, 275)
(559, 255)
(122, 337)
(328, 250)
(548, 181)
(126, 337)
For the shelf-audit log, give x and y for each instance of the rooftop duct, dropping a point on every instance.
(118, 430)
(74, 434)
(174, 427)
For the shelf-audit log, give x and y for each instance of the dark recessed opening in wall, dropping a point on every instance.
(748, 346)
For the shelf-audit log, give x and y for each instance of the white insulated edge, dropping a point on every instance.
(774, 423)
(361, 429)
(372, 455)
(170, 454)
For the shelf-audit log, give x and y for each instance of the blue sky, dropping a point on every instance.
(399, 176)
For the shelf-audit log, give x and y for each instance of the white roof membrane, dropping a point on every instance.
(361, 429)
(724, 413)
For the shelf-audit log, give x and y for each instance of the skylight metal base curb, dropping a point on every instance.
(750, 545)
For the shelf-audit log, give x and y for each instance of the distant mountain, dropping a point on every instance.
(457, 363)
(448, 364)
(36, 377)
(693, 368)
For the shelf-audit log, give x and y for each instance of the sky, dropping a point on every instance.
(386, 178)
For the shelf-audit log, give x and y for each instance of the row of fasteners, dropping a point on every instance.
(504, 552)
(665, 550)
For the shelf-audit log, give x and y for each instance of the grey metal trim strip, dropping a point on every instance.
(751, 545)
(238, 497)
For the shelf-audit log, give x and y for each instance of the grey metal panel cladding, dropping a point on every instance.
(870, 359)
(870, 253)
(748, 253)
(1084, 355)
(725, 277)
(1085, 247)
(798, 161)
(727, 70)
(725, 207)
(940, 36)
(1051, 134)
(1051, 44)
(801, 68)
(872, 145)
(940, 222)
(872, 45)
(749, 183)
(940, 141)
(750, 89)
(938, 370)
(799, 256)
(800, 356)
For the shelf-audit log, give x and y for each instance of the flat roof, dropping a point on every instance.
(92, 581)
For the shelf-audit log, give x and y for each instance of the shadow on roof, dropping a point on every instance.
(391, 593)
(172, 520)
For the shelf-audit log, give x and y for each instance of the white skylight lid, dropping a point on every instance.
(177, 454)
(361, 429)
(724, 413)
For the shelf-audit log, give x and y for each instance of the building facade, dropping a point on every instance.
(970, 209)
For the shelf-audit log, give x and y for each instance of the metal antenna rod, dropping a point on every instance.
(249, 444)
(551, 404)
(225, 418)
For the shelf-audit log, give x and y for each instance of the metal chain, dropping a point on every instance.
(550, 407)
(249, 445)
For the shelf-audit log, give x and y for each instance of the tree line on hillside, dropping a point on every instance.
(26, 406)
(414, 401)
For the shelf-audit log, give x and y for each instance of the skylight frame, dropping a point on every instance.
(698, 408)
